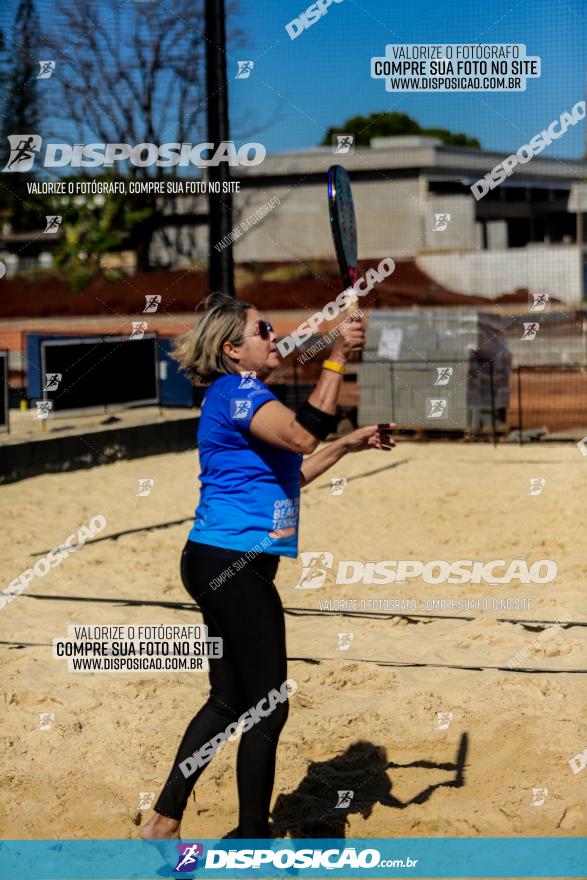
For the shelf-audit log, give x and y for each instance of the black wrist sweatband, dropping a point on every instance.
(318, 423)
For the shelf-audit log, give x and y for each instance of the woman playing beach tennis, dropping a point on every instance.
(252, 463)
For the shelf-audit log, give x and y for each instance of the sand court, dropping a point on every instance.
(420, 713)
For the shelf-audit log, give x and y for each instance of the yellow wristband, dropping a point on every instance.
(332, 365)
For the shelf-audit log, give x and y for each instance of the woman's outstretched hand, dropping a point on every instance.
(370, 437)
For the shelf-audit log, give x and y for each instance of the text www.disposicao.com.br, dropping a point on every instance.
(141, 664)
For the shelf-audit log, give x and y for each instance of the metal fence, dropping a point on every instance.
(549, 401)
(475, 398)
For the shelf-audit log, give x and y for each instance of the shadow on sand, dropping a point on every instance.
(311, 810)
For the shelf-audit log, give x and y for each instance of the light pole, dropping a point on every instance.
(220, 263)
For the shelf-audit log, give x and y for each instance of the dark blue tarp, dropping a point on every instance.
(175, 388)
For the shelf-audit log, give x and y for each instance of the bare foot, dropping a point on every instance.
(160, 827)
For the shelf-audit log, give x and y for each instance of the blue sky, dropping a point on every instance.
(323, 77)
(300, 87)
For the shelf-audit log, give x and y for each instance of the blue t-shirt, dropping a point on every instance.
(250, 490)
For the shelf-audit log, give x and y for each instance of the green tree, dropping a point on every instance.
(93, 227)
(391, 125)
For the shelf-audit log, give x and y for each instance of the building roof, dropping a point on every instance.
(415, 155)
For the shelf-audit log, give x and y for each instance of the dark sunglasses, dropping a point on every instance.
(264, 328)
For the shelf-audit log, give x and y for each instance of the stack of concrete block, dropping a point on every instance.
(428, 369)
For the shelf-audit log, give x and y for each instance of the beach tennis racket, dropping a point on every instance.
(343, 226)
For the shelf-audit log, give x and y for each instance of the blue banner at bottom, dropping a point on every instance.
(335, 858)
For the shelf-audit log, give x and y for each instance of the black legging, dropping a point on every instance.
(246, 612)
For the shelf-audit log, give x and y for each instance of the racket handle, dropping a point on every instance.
(358, 348)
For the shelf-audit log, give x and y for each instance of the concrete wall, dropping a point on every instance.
(461, 230)
(389, 222)
(395, 218)
(554, 269)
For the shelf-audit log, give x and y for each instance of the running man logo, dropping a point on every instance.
(344, 143)
(539, 301)
(46, 719)
(23, 151)
(314, 567)
(344, 641)
(138, 329)
(344, 799)
(239, 409)
(145, 487)
(530, 331)
(578, 762)
(189, 853)
(152, 302)
(44, 409)
(46, 71)
(52, 381)
(53, 222)
(247, 379)
(436, 408)
(146, 799)
(443, 375)
(337, 485)
(539, 795)
(441, 222)
(244, 69)
(537, 484)
(443, 720)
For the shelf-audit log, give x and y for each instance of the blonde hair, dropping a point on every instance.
(199, 351)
